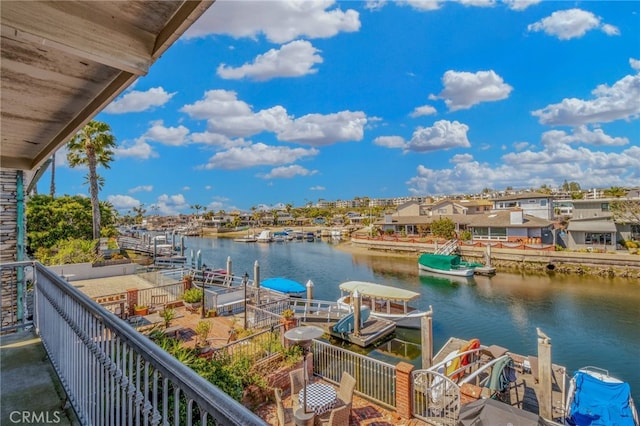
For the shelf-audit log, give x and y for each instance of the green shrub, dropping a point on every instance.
(193, 295)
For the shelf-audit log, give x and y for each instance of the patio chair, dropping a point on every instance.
(284, 414)
(297, 384)
(337, 417)
(345, 391)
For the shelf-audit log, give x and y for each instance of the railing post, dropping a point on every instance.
(132, 299)
(404, 389)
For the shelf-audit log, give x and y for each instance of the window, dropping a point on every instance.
(604, 207)
(481, 232)
(597, 238)
(498, 232)
(543, 203)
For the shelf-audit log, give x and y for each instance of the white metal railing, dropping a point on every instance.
(375, 379)
(435, 398)
(448, 248)
(114, 375)
(312, 309)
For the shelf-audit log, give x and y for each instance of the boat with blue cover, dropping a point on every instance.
(285, 286)
(597, 399)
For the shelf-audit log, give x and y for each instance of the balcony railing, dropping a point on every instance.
(111, 373)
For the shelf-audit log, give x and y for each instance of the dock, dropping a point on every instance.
(374, 330)
(525, 392)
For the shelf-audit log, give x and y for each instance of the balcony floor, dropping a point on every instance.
(30, 391)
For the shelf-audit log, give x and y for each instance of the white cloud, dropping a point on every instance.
(571, 23)
(530, 170)
(317, 188)
(620, 101)
(287, 172)
(137, 101)
(442, 135)
(461, 158)
(635, 64)
(390, 141)
(295, 59)
(520, 146)
(322, 130)
(582, 134)
(520, 4)
(422, 5)
(478, 3)
(462, 90)
(257, 155)
(138, 149)
(174, 136)
(123, 202)
(280, 21)
(141, 188)
(171, 204)
(423, 110)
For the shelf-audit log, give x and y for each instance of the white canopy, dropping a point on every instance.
(378, 291)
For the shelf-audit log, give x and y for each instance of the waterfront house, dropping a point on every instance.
(532, 203)
(593, 226)
(513, 226)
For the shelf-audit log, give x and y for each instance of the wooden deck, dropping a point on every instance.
(524, 393)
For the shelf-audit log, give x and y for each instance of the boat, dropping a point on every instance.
(280, 236)
(265, 237)
(596, 398)
(446, 264)
(386, 302)
(285, 286)
(347, 323)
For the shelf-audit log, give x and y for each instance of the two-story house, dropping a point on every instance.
(531, 203)
(593, 225)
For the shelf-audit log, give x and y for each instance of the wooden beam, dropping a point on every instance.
(79, 29)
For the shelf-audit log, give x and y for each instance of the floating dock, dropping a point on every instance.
(373, 330)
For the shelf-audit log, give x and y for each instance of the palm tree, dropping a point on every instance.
(92, 147)
(52, 188)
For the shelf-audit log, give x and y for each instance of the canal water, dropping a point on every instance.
(592, 321)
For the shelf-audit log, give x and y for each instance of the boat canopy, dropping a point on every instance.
(379, 291)
(283, 285)
(440, 261)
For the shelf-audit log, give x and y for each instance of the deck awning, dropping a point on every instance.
(591, 226)
(378, 291)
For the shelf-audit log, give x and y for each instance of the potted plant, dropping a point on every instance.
(202, 331)
(167, 315)
(140, 310)
(288, 319)
(192, 298)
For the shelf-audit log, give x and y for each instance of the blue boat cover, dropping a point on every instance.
(599, 403)
(283, 285)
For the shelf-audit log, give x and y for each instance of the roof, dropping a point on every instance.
(523, 196)
(63, 62)
(503, 219)
(591, 226)
(379, 291)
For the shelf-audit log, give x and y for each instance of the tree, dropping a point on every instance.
(92, 146)
(52, 187)
(615, 191)
(444, 228)
(626, 211)
(52, 220)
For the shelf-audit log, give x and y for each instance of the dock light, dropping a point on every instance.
(245, 281)
(204, 310)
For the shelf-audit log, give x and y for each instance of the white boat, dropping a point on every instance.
(390, 303)
(596, 398)
(265, 236)
(446, 264)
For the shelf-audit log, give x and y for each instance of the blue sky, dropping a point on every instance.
(267, 102)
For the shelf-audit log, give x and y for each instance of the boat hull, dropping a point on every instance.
(464, 272)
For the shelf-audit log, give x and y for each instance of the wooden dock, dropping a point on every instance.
(526, 392)
(374, 329)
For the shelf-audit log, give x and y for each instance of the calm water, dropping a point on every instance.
(591, 320)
